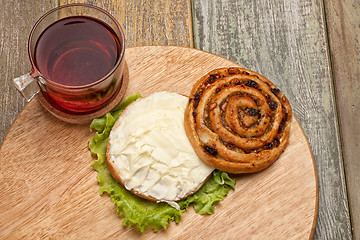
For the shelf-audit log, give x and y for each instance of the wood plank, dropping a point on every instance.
(286, 41)
(16, 21)
(149, 22)
(343, 21)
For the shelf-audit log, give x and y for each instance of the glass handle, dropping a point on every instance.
(27, 86)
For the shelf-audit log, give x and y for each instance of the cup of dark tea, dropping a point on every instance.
(78, 66)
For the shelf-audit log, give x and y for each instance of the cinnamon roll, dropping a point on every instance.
(237, 120)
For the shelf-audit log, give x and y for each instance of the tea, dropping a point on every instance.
(76, 51)
(78, 69)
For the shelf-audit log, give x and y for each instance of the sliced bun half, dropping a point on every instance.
(149, 153)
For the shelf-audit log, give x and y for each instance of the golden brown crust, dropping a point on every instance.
(237, 120)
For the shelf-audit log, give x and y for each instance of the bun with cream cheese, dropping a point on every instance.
(149, 153)
(237, 120)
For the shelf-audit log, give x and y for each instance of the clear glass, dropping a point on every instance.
(27, 86)
(76, 100)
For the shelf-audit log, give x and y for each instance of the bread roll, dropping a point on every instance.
(237, 120)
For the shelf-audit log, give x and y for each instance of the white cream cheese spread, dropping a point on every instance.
(151, 152)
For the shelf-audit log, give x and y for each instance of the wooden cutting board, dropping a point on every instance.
(49, 190)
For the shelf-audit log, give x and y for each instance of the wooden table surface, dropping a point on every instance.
(309, 49)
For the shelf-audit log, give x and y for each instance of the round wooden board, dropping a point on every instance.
(49, 190)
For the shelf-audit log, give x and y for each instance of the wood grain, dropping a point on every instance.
(290, 35)
(51, 191)
(159, 22)
(343, 21)
(286, 41)
(16, 21)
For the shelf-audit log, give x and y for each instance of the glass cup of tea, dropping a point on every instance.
(77, 57)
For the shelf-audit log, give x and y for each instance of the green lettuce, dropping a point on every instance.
(135, 210)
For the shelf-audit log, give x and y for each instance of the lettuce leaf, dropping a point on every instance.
(135, 210)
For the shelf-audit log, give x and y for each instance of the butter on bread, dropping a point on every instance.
(149, 153)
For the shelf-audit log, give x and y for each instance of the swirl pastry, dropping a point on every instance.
(237, 120)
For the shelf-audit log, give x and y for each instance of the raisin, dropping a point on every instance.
(236, 81)
(194, 114)
(197, 97)
(268, 146)
(247, 151)
(211, 79)
(252, 84)
(230, 145)
(252, 112)
(233, 71)
(273, 105)
(275, 91)
(212, 151)
(216, 74)
(276, 142)
(281, 126)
